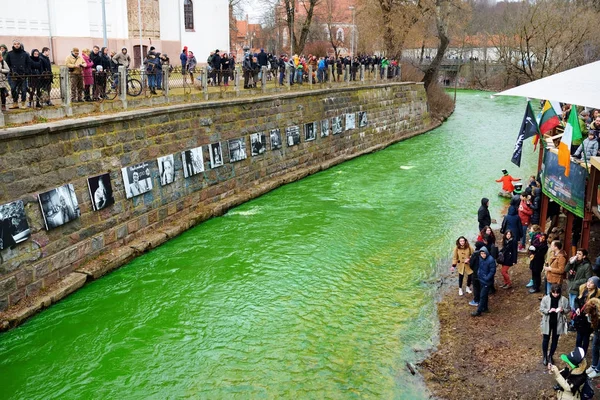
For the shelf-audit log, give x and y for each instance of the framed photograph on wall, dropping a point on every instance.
(101, 192)
(237, 149)
(59, 206)
(325, 128)
(336, 125)
(362, 119)
(292, 135)
(193, 162)
(166, 169)
(216, 155)
(276, 142)
(350, 121)
(136, 179)
(14, 227)
(310, 131)
(258, 143)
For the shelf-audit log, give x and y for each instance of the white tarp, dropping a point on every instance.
(579, 86)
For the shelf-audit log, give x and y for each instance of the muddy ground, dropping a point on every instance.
(497, 355)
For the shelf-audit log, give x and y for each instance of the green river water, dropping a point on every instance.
(320, 289)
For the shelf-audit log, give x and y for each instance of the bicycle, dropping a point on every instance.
(112, 89)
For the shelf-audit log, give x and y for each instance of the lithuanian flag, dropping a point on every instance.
(548, 121)
(572, 132)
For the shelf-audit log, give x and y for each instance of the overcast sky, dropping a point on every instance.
(254, 10)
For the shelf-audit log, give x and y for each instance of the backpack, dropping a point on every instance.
(150, 67)
(586, 390)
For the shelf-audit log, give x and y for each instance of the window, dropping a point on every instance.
(188, 14)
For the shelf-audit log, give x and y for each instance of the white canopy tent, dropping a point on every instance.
(579, 86)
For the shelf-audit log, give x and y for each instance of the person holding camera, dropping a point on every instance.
(554, 309)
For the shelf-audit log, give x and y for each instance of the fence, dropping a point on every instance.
(128, 88)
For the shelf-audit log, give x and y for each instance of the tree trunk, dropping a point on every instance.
(431, 72)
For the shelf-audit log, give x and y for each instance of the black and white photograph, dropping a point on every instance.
(310, 131)
(216, 155)
(100, 191)
(362, 119)
(166, 169)
(325, 128)
(350, 121)
(275, 139)
(292, 134)
(14, 227)
(136, 179)
(59, 206)
(336, 125)
(258, 143)
(237, 150)
(193, 162)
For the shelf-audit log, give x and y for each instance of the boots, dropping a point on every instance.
(545, 360)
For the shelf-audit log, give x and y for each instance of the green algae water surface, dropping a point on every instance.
(315, 290)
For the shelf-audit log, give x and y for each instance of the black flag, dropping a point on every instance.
(529, 128)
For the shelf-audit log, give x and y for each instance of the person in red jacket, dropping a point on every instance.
(525, 213)
(507, 184)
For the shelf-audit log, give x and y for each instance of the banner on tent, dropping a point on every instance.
(569, 191)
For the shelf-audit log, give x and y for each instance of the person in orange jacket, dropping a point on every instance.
(507, 184)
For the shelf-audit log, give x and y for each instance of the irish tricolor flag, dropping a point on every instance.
(572, 132)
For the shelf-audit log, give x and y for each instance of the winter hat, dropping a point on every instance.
(75, 50)
(3, 45)
(505, 172)
(595, 280)
(152, 48)
(15, 40)
(574, 358)
(518, 188)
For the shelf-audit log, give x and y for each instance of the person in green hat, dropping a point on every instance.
(3, 50)
(573, 377)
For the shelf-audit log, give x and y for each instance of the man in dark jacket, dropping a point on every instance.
(474, 264)
(485, 273)
(536, 206)
(538, 256)
(19, 62)
(216, 67)
(579, 270)
(512, 222)
(47, 76)
(262, 58)
(483, 215)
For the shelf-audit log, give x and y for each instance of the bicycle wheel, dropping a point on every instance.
(110, 90)
(134, 87)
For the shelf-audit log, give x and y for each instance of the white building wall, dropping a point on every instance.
(211, 28)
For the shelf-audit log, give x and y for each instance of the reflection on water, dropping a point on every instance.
(317, 289)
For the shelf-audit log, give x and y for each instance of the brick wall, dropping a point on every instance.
(39, 158)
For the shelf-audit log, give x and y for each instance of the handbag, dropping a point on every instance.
(500, 258)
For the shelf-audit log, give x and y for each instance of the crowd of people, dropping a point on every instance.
(553, 272)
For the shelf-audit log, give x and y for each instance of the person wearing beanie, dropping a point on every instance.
(76, 64)
(572, 379)
(483, 214)
(3, 50)
(19, 62)
(485, 273)
(555, 310)
(507, 184)
(583, 326)
(537, 258)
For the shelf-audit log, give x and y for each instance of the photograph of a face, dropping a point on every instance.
(136, 179)
(258, 143)
(14, 227)
(100, 191)
(292, 133)
(193, 162)
(336, 125)
(166, 169)
(350, 121)
(237, 150)
(59, 206)
(310, 131)
(325, 128)
(275, 139)
(216, 155)
(362, 119)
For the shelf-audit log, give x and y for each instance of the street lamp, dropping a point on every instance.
(353, 9)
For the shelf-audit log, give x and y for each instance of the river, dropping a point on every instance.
(323, 288)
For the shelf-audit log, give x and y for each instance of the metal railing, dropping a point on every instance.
(33, 91)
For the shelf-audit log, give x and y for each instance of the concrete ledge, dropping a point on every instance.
(103, 265)
(65, 287)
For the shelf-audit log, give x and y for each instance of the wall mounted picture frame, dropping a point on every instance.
(292, 135)
(362, 119)
(336, 125)
(350, 121)
(59, 206)
(192, 161)
(137, 179)
(101, 192)
(325, 128)
(276, 141)
(216, 155)
(166, 169)
(310, 131)
(14, 227)
(237, 149)
(258, 143)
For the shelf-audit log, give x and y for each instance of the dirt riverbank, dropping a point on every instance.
(497, 355)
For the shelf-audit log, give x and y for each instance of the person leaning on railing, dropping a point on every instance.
(47, 77)
(35, 84)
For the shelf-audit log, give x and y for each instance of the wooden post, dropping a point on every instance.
(569, 233)
(544, 212)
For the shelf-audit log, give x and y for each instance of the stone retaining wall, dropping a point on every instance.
(39, 158)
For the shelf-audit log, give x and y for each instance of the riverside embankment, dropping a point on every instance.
(320, 288)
